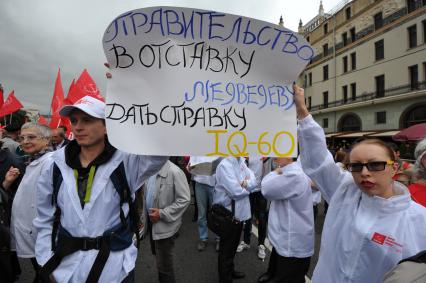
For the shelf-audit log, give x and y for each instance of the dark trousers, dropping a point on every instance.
(258, 205)
(130, 278)
(164, 253)
(9, 266)
(37, 278)
(227, 248)
(287, 269)
(164, 257)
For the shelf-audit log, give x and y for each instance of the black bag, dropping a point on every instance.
(222, 221)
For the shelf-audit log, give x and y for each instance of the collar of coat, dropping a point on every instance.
(72, 159)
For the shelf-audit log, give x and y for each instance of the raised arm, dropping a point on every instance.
(317, 161)
(145, 166)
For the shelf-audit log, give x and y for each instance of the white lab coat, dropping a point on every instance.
(98, 215)
(363, 236)
(255, 164)
(229, 174)
(24, 208)
(291, 216)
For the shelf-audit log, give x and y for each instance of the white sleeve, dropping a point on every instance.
(290, 183)
(317, 161)
(251, 179)
(45, 216)
(145, 166)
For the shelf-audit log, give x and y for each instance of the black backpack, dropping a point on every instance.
(118, 178)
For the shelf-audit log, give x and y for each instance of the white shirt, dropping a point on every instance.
(291, 216)
(203, 179)
(24, 208)
(98, 215)
(229, 174)
(363, 236)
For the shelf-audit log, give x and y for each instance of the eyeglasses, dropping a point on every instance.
(28, 138)
(371, 166)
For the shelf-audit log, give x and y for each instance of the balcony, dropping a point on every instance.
(372, 96)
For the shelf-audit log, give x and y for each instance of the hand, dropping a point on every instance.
(11, 175)
(244, 184)
(154, 215)
(279, 170)
(299, 100)
(108, 74)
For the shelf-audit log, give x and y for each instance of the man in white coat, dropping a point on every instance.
(234, 182)
(94, 237)
(291, 222)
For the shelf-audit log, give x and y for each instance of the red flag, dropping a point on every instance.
(11, 105)
(1, 96)
(57, 102)
(71, 91)
(42, 120)
(58, 96)
(84, 86)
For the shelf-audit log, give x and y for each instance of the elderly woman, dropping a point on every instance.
(34, 140)
(371, 223)
(418, 189)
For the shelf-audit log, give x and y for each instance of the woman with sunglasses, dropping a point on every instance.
(371, 223)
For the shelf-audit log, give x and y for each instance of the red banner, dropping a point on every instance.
(11, 105)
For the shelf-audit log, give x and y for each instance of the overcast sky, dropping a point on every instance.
(39, 36)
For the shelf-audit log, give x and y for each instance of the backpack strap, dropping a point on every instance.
(118, 178)
(56, 182)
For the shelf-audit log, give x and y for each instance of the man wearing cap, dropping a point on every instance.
(93, 235)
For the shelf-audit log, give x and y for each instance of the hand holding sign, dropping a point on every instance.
(194, 82)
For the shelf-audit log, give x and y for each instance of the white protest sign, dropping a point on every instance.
(195, 82)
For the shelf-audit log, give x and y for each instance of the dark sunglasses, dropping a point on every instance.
(371, 166)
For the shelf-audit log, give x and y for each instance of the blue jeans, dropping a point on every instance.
(204, 195)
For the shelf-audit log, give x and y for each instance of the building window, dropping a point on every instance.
(325, 28)
(345, 64)
(353, 91)
(424, 30)
(305, 82)
(381, 117)
(353, 34)
(325, 123)
(345, 38)
(378, 20)
(379, 48)
(411, 6)
(414, 76)
(307, 39)
(309, 102)
(325, 49)
(310, 79)
(353, 61)
(424, 71)
(380, 86)
(345, 94)
(325, 72)
(412, 36)
(325, 99)
(348, 13)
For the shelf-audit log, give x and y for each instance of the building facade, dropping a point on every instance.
(369, 72)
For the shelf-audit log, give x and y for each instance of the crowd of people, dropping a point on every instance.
(77, 209)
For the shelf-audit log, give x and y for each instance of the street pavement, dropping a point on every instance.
(197, 267)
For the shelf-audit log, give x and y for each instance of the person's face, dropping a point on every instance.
(31, 141)
(88, 131)
(423, 161)
(56, 136)
(373, 183)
